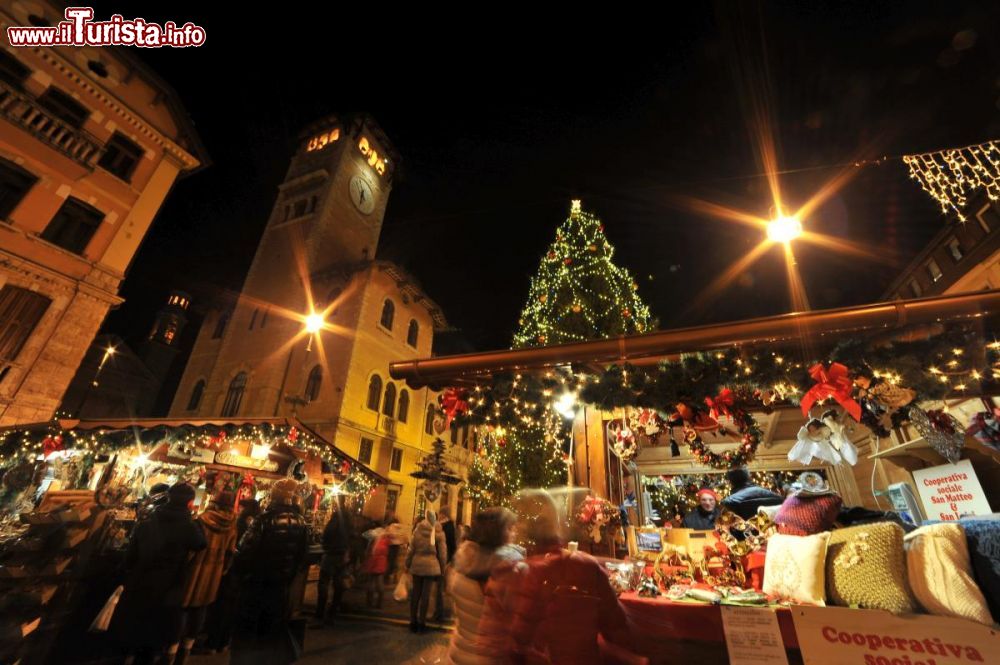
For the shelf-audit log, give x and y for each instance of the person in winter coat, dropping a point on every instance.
(398, 536)
(148, 617)
(485, 570)
(703, 517)
(205, 570)
(271, 553)
(249, 509)
(375, 566)
(426, 561)
(334, 564)
(565, 600)
(747, 497)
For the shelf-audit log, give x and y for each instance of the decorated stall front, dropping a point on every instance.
(788, 465)
(73, 490)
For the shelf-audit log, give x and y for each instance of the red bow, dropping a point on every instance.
(218, 439)
(453, 402)
(720, 405)
(699, 421)
(293, 435)
(832, 382)
(51, 444)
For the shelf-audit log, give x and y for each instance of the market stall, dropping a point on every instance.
(73, 490)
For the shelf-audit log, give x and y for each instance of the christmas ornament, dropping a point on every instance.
(941, 430)
(453, 401)
(293, 435)
(218, 439)
(622, 440)
(823, 438)
(51, 444)
(832, 382)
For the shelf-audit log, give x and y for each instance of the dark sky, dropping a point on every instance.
(502, 121)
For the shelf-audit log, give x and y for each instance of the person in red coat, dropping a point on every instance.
(376, 566)
(565, 602)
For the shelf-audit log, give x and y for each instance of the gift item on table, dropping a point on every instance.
(823, 438)
(940, 573)
(813, 508)
(703, 595)
(751, 597)
(624, 576)
(866, 568)
(648, 588)
(941, 430)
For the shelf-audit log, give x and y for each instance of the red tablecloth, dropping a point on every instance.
(659, 618)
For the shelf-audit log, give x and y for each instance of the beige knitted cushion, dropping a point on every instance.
(937, 559)
(866, 567)
(793, 569)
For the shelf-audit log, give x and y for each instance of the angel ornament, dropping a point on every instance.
(824, 439)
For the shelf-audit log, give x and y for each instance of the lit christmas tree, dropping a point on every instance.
(579, 293)
(510, 461)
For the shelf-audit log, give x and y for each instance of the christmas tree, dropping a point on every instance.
(511, 460)
(579, 293)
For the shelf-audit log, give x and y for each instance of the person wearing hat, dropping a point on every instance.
(149, 613)
(811, 508)
(703, 517)
(271, 552)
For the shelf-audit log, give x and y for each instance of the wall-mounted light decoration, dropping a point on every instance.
(320, 141)
(375, 160)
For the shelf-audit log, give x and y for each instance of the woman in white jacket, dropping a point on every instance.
(486, 568)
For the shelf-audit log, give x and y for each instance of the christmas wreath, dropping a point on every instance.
(751, 435)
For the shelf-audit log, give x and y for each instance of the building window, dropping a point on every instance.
(955, 249)
(20, 312)
(220, 325)
(234, 396)
(403, 412)
(64, 107)
(412, 333)
(396, 462)
(391, 500)
(366, 450)
(263, 319)
(933, 270)
(312, 204)
(299, 208)
(15, 183)
(389, 402)
(374, 392)
(253, 319)
(388, 312)
(12, 71)
(120, 157)
(916, 288)
(196, 395)
(73, 226)
(313, 383)
(429, 420)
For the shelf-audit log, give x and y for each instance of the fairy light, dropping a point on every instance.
(950, 176)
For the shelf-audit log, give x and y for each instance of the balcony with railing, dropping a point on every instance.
(25, 112)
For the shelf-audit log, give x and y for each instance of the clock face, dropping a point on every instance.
(362, 195)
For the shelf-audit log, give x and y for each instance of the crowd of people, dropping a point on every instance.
(228, 580)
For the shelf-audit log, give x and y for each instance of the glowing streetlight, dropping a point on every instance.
(566, 405)
(784, 229)
(314, 323)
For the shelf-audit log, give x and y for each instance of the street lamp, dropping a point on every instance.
(314, 323)
(784, 229)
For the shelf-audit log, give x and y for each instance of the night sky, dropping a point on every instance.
(502, 122)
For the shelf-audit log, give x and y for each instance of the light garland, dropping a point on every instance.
(949, 176)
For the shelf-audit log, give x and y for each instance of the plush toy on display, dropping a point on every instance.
(823, 438)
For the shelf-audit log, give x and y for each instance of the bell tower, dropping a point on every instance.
(329, 209)
(160, 347)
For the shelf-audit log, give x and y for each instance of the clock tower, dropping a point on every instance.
(330, 207)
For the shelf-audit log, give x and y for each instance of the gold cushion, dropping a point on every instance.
(940, 571)
(866, 567)
(794, 570)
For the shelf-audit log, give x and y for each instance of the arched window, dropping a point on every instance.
(374, 392)
(389, 403)
(196, 394)
(234, 396)
(313, 383)
(429, 419)
(220, 325)
(388, 312)
(412, 333)
(403, 412)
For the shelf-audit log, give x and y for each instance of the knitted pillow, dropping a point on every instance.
(940, 571)
(983, 537)
(794, 568)
(866, 567)
(806, 515)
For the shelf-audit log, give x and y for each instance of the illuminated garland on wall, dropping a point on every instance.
(579, 293)
(950, 176)
(24, 445)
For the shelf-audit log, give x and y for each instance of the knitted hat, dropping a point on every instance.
(707, 492)
(804, 515)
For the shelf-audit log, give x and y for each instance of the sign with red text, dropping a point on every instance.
(951, 491)
(844, 636)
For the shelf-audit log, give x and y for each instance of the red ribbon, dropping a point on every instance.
(217, 440)
(453, 402)
(51, 444)
(831, 382)
(293, 435)
(721, 405)
(699, 421)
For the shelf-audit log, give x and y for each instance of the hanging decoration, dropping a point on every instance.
(985, 426)
(823, 438)
(941, 430)
(833, 381)
(951, 176)
(751, 435)
(435, 473)
(622, 439)
(453, 402)
(594, 514)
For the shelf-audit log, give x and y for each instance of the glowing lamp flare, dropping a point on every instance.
(784, 229)
(314, 323)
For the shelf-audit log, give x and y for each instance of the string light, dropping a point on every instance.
(949, 176)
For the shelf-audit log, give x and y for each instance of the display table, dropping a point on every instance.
(666, 630)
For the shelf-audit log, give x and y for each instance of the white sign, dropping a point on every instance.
(845, 636)
(753, 636)
(951, 491)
